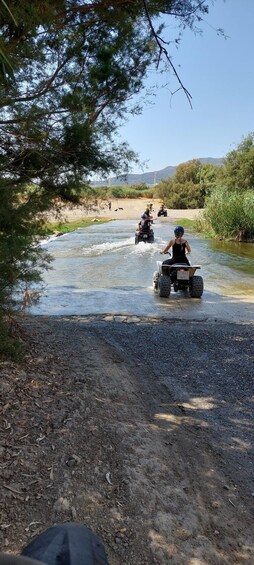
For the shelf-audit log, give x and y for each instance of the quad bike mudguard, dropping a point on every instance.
(177, 267)
(179, 275)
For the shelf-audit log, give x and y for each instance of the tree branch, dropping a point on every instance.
(163, 51)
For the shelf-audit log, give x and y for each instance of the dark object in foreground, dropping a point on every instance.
(65, 544)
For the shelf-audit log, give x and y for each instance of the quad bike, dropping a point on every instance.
(144, 235)
(162, 212)
(180, 276)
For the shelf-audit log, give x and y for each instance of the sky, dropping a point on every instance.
(218, 73)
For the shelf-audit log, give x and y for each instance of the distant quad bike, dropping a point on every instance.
(146, 236)
(162, 212)
(180, 276)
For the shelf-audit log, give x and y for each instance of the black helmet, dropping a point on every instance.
(179, 231)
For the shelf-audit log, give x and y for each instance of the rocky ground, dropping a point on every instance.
(140, 428)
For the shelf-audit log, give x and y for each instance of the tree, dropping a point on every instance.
(184, 189)
(209, 175)
(75, 67)
(238, 166)
(229, 208)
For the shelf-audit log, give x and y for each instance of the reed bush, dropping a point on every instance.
(230, 213)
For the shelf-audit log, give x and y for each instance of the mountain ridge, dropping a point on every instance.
(151, 177)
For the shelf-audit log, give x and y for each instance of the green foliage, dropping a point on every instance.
(230, 214)
(67, 227)
(10, 346)
(132, 193)
(202, 224)
(185, 222)
(151, 192)
(229, 210)
(141, 186)
(128, 191)
(21, 259)
(190, 185)
(238, 169)
(209, 176)
(184, 189)
(117, 192)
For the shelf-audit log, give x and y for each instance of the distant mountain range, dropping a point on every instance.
(152, 177)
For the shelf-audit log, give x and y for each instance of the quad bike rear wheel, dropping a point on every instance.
(155, 280)
(196, 287)
(164, 286)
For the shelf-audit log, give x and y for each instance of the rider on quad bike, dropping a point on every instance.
(177, 272)
(179, 248)
(162, 211)
(145, 232)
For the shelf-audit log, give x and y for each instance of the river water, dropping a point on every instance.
(100, 270)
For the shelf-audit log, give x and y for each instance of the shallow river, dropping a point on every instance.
(100, 270)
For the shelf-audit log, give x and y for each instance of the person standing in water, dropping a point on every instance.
(179, 246)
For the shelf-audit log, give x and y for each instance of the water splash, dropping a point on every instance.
(109, 246)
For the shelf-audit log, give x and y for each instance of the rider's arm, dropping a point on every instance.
(188, 247)
(167, 247)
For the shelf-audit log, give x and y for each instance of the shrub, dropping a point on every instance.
(230, 213)
(10, 346)
(133, 193)
(117, 192)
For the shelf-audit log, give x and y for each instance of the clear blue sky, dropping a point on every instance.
(218, 73)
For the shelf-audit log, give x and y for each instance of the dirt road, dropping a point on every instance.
(140, 428)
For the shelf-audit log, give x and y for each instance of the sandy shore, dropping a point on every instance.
(122, 209)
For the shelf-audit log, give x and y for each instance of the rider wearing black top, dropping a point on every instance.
(145, 224)
(179, 248)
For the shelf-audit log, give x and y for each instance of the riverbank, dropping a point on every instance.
(121, 209)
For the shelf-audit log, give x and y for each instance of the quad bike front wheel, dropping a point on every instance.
(164, 286)
(196, 286)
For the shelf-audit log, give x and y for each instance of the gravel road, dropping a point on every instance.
(141, 428)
